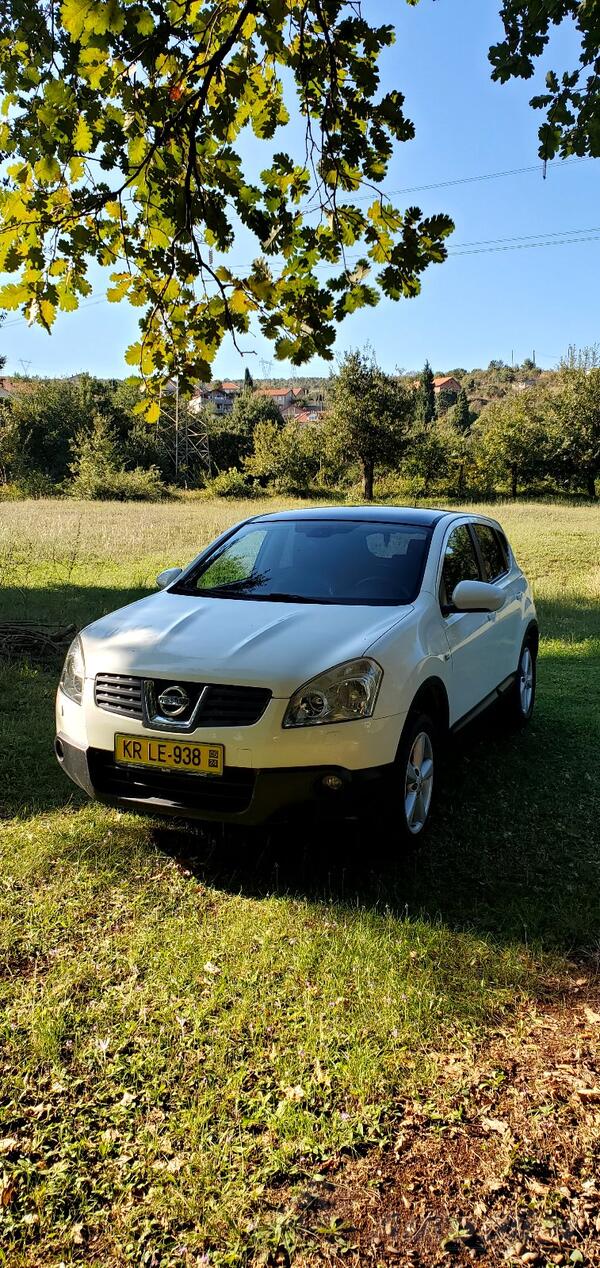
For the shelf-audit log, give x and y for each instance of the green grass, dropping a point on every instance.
(185, 1044)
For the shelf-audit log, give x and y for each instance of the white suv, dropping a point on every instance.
(308, 657)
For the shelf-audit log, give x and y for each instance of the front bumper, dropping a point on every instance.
(241, 795)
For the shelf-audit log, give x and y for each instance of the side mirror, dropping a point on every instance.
(477, 596)
(167, 577)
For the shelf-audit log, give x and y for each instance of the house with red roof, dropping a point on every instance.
(446, 383)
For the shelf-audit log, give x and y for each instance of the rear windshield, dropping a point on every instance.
(315, 561)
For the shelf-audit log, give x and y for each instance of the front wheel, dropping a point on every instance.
(414, 779)
(520, 699)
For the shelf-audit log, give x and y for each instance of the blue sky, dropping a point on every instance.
(474, 307)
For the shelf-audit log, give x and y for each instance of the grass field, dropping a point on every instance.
(189, 1043)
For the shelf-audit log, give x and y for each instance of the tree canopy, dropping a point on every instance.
(426, 395)
(370, 415)
(572, 100)
(123, 144)
(123, 130)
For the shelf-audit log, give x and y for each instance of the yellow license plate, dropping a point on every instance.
(194, 759)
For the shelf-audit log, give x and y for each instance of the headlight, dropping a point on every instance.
(73, 674)
(345, 693)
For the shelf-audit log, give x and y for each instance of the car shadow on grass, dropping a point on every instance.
(514, 850)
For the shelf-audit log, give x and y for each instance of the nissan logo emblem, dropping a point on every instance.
(173, 701)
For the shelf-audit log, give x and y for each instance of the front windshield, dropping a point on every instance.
(315, 561)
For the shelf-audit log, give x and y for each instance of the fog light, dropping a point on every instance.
(332, 782)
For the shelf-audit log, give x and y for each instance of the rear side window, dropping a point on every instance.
(460, 562)
(504, 546)
(493, 557)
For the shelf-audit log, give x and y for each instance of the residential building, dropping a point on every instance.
(220, 396)
(446, 383)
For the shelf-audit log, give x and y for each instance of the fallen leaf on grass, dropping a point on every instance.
(9, 1191)
(495, 1125)
(294, 1093)
(592, 1017)
(7, 1144)
(589, 1093)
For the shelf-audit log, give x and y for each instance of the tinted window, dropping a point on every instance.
(460, 562)
(316, 561)
(492, 555)
(504, 548)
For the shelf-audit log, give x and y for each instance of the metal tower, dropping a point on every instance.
(183, 435)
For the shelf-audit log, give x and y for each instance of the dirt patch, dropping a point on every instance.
(508, 1174)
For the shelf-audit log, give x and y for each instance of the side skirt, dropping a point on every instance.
(484, 704)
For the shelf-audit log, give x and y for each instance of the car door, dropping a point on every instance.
(469, 634)
(506, 624)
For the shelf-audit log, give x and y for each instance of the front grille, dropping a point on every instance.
(118, 693)
(229, 793)
(233, 706)
(222, 704)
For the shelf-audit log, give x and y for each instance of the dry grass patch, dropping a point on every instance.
(508, 1174)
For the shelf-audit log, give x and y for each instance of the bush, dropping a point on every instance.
(97, 474)
(230, 484)
(34, 484)
(289, 457)
(120, 486)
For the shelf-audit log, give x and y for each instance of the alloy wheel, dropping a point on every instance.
(418, 789)
(526, 681)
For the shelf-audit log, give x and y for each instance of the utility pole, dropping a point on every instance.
(176, 427)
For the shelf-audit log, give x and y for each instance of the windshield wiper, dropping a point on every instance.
(283, 597)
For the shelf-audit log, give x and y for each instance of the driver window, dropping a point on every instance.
(460, 562)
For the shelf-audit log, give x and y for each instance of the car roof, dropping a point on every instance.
(423, 517)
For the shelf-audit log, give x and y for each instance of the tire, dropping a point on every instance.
(520, 698)
(414, 780)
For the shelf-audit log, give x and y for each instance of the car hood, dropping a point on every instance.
(254, 642)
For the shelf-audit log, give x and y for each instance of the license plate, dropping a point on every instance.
(194, 759)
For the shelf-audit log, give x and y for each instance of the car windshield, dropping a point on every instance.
(315, 561)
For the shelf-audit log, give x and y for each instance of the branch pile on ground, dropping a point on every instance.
(34, 640)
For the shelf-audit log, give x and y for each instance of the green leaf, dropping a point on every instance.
(67, 299)
(133, 354)
(47, 169)
(74, 14)
(13, 294)
(145, 23)
(82, 136)
(118, 291)
(47, 312)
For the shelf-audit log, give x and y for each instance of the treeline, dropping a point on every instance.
(398, 438)
(381, 436)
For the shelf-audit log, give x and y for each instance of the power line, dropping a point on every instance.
(481, 176)
(564, 237)
(523, 237)
(523, 246)
(87, 303)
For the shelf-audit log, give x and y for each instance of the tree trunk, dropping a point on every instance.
(368, 469)
(591, 486)
(513, 482)
(461, 480)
